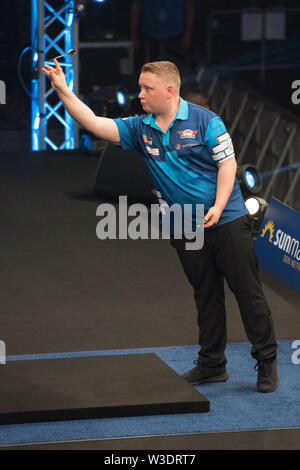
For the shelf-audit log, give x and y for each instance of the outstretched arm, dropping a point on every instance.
(102, 127)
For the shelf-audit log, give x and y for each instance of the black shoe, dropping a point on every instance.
(267, 377)
(200, 375)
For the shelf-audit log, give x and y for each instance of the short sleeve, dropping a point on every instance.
(128, 131)
(218, 141)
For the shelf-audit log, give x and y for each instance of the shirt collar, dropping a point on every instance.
(183, 110)
(182, 113)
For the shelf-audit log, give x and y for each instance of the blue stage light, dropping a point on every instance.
(121, 98)
(249, 179)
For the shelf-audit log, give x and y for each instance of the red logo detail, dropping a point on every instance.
(187, 134)
(152, 151)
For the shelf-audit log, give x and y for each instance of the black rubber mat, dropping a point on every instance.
(93, 387)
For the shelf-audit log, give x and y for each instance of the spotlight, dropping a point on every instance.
(80, 7)
(256, 207)
(122, 97)
(107, 101)
(249, 179)
(121, 100)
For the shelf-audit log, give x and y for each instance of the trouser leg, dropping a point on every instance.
(208, 285)
(228, 251)
(235, 257)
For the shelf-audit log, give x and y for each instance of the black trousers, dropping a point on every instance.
(228, 252)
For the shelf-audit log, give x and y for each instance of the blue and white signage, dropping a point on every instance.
(278, 243)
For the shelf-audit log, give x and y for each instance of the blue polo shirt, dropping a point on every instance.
(184, 160)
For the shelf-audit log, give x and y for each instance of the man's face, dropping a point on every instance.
(154, 93)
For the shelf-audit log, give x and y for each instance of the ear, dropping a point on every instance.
(171, 90)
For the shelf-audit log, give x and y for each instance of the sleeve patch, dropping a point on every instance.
(224, 149)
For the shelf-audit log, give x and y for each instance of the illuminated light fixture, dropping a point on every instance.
(122, 97)
(256, 207)
(249, 179)
(103, 97)
(80, 7)
(121, 100)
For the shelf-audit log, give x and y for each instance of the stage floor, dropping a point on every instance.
(64, 290)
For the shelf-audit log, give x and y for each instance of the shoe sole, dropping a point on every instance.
(219, 378)
(271, 389)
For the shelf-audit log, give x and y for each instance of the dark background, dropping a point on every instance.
(63, 290)
(100, 69)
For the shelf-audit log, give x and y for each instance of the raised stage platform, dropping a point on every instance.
(93, 387)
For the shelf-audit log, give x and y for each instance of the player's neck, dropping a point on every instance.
(164, 119)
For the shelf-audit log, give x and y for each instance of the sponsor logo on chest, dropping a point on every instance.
(187, 134)
(147, 140)
(152, 151)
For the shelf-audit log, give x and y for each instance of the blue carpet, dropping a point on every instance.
(235, 404)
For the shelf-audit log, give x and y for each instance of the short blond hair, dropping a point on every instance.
(164, 68)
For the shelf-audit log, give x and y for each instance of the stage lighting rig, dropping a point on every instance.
(109, 100)
(80, 7)
(256, 206)
(249, 179)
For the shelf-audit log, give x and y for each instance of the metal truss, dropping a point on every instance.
(54, 32)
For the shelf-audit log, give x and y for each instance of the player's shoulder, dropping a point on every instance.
(206, 119)
(201, 111)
